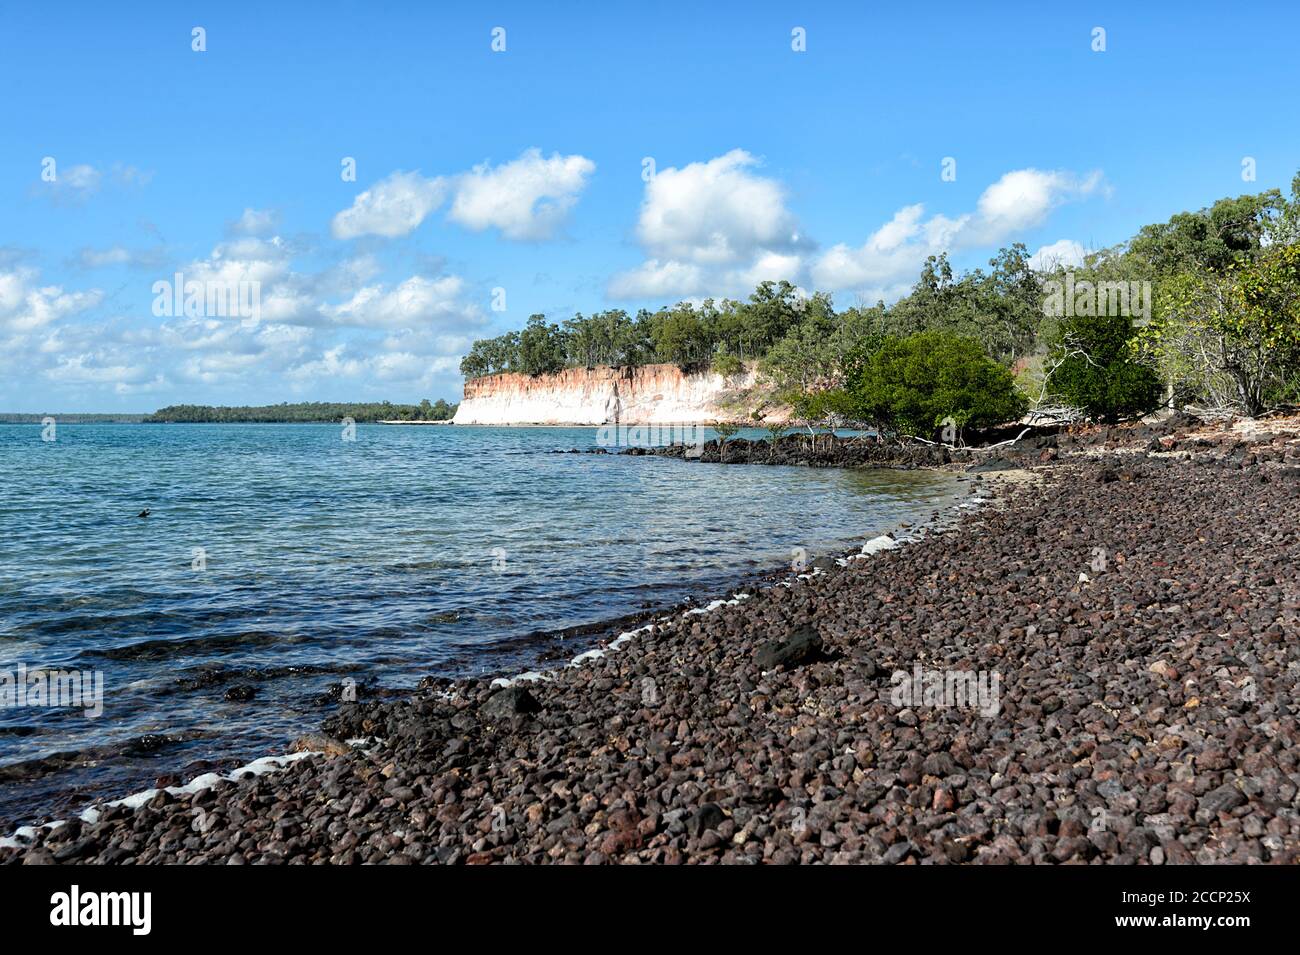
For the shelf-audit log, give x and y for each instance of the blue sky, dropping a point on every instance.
(522, 170)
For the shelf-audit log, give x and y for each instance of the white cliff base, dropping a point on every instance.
(650, 394)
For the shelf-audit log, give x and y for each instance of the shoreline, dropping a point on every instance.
(555, 651)
(719, 759)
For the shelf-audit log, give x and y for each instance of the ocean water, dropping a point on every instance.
(283, 560)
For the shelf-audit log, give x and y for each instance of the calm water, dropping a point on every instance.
(282, 558)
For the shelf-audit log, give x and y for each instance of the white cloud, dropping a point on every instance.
(26, 307)
(255, 222)
(1063, 253)
(81, 179)
(102, 258)
(416, 301)
(527, 198)
(90, 368)
(393, 207)
(712, 227)
(387, 340)
(656, 279)
(892, 255)
(77, 182)
(1023, 198)
(714, 212)
(119, 255)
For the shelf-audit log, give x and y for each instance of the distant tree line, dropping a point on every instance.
(304, 412)
(16, 418)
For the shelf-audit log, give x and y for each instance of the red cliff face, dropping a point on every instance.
(650, 394)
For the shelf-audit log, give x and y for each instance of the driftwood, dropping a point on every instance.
(991, 447)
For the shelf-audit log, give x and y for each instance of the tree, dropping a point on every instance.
(915, 384)
(1093, 368)
(1213, 239)
(726, 362)
(541, 347)
(726, 431)
(1232, 336)
(1000, 310)
(678, 336)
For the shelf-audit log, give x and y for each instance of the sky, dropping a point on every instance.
(391, 181)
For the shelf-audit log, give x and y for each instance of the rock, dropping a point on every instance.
(898, 852)
(620, 842)
(708, 816)
(1161, 668)
(241, 693)
(1224, 799)
(993, 464)
(511, 701)
(802, 646)
(320, 743)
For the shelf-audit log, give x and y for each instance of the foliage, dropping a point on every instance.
(690, 336)
(1000, 309)
(1233, 336)
(726, 363)
(915, 384)
(1213, 239)
(1093, 368)
(726, 430)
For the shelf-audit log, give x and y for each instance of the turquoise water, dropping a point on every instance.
(285, 559)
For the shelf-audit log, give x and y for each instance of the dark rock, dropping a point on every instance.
(1224, 799)
(802, 646)
(511, 701)
(708, 816)
(993, 464)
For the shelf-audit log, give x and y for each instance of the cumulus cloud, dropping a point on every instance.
(91, 369)
(714, 212)
(659, 279)
(316, 327)
(1023, 198)
(892, 255)
(26, 306)
(393, 207)
(712, 227)
(416, 301)
(1065, 253)
(527, 199)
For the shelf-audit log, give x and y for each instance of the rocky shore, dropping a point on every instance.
(1125, 625)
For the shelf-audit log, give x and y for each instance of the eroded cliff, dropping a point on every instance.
(650, 394)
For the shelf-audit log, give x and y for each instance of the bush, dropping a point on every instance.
(915, 384)
(1092, 368)
(726, 362)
